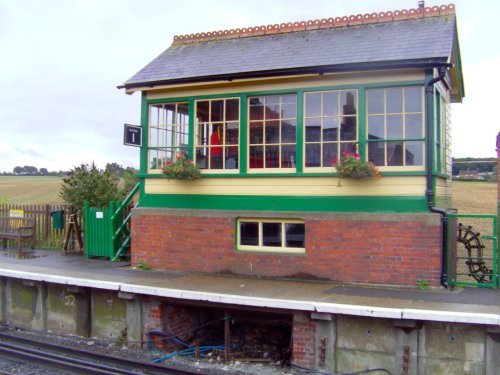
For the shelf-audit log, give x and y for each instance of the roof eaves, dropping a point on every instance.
(340, 68)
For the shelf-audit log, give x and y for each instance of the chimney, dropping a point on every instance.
(421, 4)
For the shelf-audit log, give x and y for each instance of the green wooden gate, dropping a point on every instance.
(472, 258)
(107, 230)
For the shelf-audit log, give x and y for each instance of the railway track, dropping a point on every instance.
(76, 361)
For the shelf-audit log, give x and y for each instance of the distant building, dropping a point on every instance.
(470, 174)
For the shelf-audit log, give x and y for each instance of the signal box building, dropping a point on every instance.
(265, 112)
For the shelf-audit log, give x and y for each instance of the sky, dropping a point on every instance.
(62, 60)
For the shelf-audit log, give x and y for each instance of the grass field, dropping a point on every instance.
(475, 197)
(30, 190)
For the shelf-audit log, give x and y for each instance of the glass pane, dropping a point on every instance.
(216, 149)
(232, 110)
(330, 104)
(288, 156)
(256, 108)
(232, 133)
(295, 235)
(313, 130)
(217, 108)
(202, 133)
(376, 153)
(154, 137)
(249, 234)
(414, 153)
(231, 157)
(313, 151)
(375, 127)
(394, 127)
(272, 157)
(202, 157)
(348, 102)
(256, 157)
(289, 110)
(272, 132)
(394, 100)
(182, 109)
(348, 129)
(182, 136)
(395, 153)
(202, 111)
(256, 133)
(348, 147)
(154, 115)
(288, 131)
(375, 101)
(271, 234)
(272, 110)
(329, 154)
(313, 105)
(414, 126)
(169, 113)
(331, 129)
(413, 99)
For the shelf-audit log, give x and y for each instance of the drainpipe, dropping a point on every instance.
(429, 91)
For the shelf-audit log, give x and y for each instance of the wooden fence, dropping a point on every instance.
(46, 235)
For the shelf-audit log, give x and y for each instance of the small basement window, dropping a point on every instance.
(271, 235)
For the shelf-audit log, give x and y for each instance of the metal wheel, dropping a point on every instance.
(473, 243)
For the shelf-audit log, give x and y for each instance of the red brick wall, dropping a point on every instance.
(169, 319)
(371, 250)
(304, 340)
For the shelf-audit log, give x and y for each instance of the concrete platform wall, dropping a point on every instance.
(332, 342)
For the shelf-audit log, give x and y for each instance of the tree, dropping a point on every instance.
(18, 170)
(114, 168)
(43, 172)
(88, 183)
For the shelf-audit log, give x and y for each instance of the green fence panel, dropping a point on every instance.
(472, 254)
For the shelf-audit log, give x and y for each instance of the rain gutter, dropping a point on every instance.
(429, 92)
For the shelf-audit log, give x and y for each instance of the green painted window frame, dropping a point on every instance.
(169, 129)
(224, 146)
(385, 115)
(243, 170)
(280, 123)
(340, 145)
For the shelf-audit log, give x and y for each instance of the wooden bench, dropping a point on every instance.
(17, 229)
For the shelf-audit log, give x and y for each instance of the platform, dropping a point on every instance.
(458, 305)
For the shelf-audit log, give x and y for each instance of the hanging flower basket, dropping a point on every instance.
(350, 165)
(181, 169)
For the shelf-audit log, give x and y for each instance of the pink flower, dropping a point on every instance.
(179, 156)
(347, 153)
(334, 161)
(169, 162)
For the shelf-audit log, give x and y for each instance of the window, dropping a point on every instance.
(330, 121)
(395, 126)
(168, 133)
(272, 132)
(271, 235)
(217, 134)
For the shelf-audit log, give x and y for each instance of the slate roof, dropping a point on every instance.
(426, 40)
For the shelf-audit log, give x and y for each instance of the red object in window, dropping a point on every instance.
(215, 141)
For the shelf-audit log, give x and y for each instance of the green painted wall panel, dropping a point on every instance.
(270, 203)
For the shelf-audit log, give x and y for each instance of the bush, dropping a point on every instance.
(88, 183)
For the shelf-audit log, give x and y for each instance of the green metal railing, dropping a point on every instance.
(107, 230)
(472, 258)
